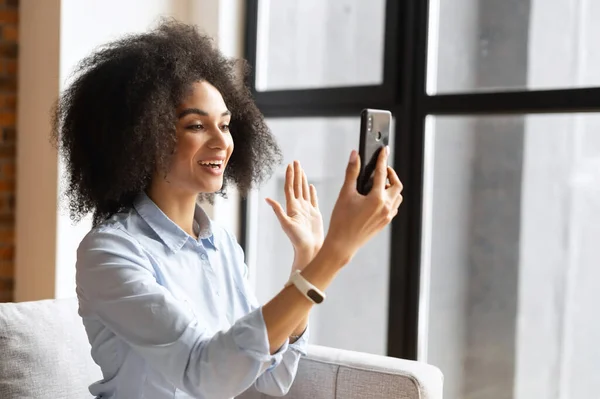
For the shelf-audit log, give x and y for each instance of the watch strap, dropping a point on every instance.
(307, 289)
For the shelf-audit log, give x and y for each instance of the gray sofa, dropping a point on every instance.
(44, 353)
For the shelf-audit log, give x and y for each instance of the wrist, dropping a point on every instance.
(304, 255)
(307, 249)
(321, 271)
(336, 252)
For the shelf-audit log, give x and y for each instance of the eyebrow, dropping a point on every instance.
(197, 111)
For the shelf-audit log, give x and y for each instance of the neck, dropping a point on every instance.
(178, 206)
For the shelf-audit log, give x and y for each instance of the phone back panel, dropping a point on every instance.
(374, 136)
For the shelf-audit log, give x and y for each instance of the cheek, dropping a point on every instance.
(186, 148)
(230, 144)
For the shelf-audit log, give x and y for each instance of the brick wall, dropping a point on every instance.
(9, 19)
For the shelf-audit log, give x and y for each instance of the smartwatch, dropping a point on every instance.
(311, 292)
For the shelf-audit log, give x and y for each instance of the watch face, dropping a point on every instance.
(315, 296)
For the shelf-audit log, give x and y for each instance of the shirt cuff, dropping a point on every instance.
(250, 335)
(301, 344)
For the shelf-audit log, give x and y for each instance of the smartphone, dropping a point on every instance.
(374, 136)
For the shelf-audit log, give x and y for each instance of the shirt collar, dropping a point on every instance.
(171, 234)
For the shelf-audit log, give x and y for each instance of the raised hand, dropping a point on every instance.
(356, 218)
(301, 220)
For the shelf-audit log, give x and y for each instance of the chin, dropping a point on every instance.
(210, 188)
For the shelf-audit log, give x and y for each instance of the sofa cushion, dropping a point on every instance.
(318, 380)
(355, 383)
(45, 351)
(329, 373)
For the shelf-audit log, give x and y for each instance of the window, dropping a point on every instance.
(315, 44)
(514, 206)
(487, 45)
(491, 262)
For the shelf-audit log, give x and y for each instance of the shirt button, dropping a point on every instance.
(203, 257)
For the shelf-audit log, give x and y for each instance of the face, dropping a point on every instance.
(204, 143)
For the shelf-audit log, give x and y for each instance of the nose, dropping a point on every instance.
(218, 139)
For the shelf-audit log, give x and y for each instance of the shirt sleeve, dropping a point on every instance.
(116, 285)
(278, 378)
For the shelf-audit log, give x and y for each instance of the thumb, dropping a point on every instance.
(277, 209)
(352, 171)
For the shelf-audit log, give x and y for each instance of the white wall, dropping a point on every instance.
(54, 36)
(35, 237)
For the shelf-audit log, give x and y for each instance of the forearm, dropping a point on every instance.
(288, 310)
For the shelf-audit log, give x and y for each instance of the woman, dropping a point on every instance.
(147, 127)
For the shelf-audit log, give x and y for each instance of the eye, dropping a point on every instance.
(197, 127)
(225, 128)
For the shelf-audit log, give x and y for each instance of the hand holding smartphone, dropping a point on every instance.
(374, 137)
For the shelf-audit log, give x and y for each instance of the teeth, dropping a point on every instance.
(211, 163)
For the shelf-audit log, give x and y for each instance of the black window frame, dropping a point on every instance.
(403, 92)
(335, 101)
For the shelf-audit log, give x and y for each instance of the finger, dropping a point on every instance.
(352, 172)
(379, 179)
(305, 189)
(395, 185)
(314, 200)
(289, 184)
(297, 180)
(277, 208)
(394, 213)
(397, 202)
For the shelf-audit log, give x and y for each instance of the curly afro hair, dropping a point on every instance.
(115, 124)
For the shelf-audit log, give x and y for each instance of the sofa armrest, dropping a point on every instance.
(329, 373)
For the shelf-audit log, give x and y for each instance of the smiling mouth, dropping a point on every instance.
(211, 164)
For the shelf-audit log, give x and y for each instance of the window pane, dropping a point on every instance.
(348, 315)
(511, 227)
(512, 44)
(315, 43)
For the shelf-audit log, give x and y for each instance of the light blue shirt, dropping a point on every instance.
(169, 316)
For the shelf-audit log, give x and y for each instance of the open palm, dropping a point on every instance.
(301, 220)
